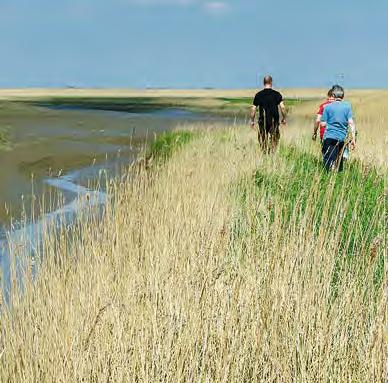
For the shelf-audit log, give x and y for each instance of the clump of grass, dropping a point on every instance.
(165, 144)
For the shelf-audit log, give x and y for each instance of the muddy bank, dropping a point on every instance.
(40, 143)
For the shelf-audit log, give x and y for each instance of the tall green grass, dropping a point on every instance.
(350, 206)
(164, 145)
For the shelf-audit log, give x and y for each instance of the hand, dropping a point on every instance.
(283, 122)
(353, 144)
(253, 125)
(314, 136)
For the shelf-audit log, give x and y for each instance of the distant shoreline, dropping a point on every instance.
(20, 94)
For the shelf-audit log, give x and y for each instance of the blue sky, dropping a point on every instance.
(192, 43)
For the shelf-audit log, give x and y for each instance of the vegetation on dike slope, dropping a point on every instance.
(221, 264)
(167, 143)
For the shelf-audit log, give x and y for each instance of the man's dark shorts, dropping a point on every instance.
(332, 151)
(271, 132)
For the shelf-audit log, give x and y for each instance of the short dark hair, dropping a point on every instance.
(267, 80)
(330, 93)
(338, 91)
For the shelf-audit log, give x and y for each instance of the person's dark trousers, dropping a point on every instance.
(332, 151)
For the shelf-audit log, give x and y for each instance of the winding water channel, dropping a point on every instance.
(56, 154)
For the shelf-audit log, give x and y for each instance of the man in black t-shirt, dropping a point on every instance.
(268, 101)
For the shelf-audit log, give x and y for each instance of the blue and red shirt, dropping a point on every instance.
(337, 116)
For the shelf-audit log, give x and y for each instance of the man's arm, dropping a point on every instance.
(323, 120)
(317, 123)
(352, 127)
(253, 116)
(284, 112)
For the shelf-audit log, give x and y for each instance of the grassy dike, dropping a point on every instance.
(216, 264)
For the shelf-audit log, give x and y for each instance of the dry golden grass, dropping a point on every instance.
(28, 94)
(12, 94)
(193, 275)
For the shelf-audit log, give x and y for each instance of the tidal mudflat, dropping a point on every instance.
(41, 143)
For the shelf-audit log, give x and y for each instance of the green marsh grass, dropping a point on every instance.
(167, 143)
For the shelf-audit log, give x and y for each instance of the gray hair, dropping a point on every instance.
(338, 91)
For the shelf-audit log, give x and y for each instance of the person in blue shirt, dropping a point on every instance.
(337, 119)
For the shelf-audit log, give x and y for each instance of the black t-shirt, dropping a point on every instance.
(268, 101)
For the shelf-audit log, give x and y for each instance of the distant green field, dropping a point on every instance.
(240, 100)
(248, 100)
(219, 105)
(133, 104)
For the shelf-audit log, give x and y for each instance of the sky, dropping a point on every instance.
(193, 43)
